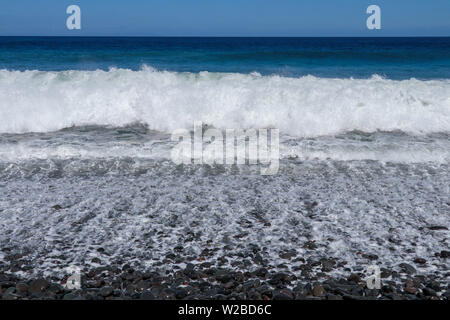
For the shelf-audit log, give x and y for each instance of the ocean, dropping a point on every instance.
(392, 58)
(85, 154)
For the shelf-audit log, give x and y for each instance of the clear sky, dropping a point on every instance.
(226, 17)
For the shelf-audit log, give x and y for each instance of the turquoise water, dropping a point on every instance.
(393, 58)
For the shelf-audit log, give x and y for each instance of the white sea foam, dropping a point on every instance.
(37, 101)
(403, 151)
(368, 208)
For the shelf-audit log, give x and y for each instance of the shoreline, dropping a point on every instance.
(205, 282)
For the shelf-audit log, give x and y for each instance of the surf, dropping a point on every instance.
(308, 106)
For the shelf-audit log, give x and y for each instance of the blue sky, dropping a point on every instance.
(225, 17)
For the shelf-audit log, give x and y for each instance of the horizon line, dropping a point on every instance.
(200, 36)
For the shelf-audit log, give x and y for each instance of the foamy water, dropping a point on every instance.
(36, 101)
(85, 163)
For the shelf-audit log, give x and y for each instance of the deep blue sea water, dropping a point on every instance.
(394, 58)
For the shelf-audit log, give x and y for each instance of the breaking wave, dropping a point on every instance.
(39, 101)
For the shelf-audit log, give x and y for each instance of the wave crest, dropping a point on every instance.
(38, 101)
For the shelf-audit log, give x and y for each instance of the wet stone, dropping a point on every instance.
(283, 295)
(22, 288)
(318, 290)
(407, 268)
(370, 256)
(106, 291)
(354, 278)
(429, 292)
(410, 290)
(147, 295)
(70, 296)
(420, 261)
(38, 286)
